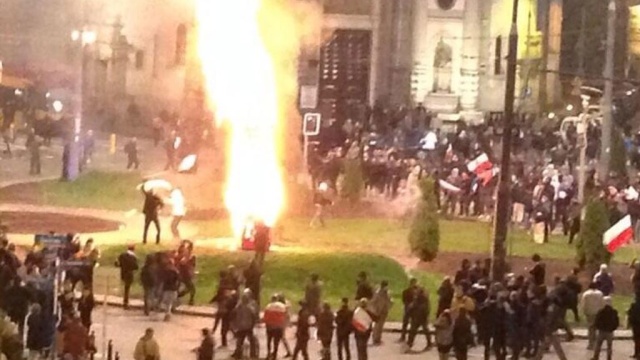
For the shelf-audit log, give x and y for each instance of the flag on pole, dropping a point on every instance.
(480, 164)
(448, 186)
(618, 235)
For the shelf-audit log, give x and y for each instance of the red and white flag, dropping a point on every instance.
(618, 235)
(480, 164)
(361, 320)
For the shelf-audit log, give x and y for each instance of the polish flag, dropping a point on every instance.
(618, 235)
(361, 320)
(480, 164)
(275, 315)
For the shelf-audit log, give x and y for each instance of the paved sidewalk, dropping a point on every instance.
(209, 311)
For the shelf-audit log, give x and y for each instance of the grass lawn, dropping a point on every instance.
(284, 273)
(385, 236)
(117, 191)
(103, 190)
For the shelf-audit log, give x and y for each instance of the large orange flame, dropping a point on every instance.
(241, 82)
(247, 51)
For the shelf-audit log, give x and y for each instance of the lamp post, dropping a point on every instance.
(72, 152)
(498, 249)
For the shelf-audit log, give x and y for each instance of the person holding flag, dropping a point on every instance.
(362, 322)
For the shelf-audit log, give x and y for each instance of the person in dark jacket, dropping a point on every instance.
(36, 332)
(128, 264)
(187, 270)
(574, 286)
(206, 350)
(149, 280)
(343, 319)
(150, 209)
(538, 271)
(364, 290)
(325, 322)
(170, 279)
(462, 335)
(302, 332)
(445, 296)
(252, 277)
(131, 149)
(607, 322)
(633, 319)
(245, 317)
(604, 280)
(408, 296)
(85, 307)
(419, 319)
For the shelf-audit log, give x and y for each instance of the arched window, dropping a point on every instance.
(181, 44)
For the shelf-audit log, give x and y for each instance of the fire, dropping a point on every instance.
(247, 51)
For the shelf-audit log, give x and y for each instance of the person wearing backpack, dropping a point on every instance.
(606, 323)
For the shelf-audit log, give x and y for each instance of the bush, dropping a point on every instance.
(353, 181)
(589, 248)
(424, 237)
(618, 162)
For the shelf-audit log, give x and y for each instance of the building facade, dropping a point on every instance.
(397, 52)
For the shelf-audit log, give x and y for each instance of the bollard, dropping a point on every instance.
(117, 356)
(112, 144)
(110, 350)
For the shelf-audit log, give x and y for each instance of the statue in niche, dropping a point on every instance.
(442, 68)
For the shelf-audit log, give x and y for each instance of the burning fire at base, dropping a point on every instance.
(248, 51)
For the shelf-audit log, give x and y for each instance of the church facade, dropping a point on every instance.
(448, 55)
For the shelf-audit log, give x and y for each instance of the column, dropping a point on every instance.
(401, 57)
(376, 10)
(471, 56)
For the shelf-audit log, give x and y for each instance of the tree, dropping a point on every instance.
(589, 248)
(618, 154)
(353, 181)
(424, 237)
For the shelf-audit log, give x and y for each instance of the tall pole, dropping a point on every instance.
(582, 43)
(543, 96)
(501, 224)
(582, 134)
(607, 100)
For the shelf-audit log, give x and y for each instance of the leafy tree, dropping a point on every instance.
(353, 182)
(589, 248)
(424, 237)
(618, 162)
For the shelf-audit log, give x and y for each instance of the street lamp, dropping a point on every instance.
(83, 38)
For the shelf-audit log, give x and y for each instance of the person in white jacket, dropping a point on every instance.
(178, 211)
(591, 302)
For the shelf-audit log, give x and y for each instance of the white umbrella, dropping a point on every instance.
(156, 184)
(187, 163)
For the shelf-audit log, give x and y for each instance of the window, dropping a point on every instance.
(139, 59)
(181, 44)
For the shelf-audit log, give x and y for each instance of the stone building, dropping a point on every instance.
(399, 52)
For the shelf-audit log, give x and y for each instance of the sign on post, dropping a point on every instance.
(311, 124)
(51, 244)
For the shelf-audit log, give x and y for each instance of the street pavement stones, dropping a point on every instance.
(179, 336)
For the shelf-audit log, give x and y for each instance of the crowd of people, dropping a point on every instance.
(52, 311)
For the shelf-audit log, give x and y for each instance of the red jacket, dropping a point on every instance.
(76, 339)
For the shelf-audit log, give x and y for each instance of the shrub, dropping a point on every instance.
(353, 181)
(424, 237)
(589, 248)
